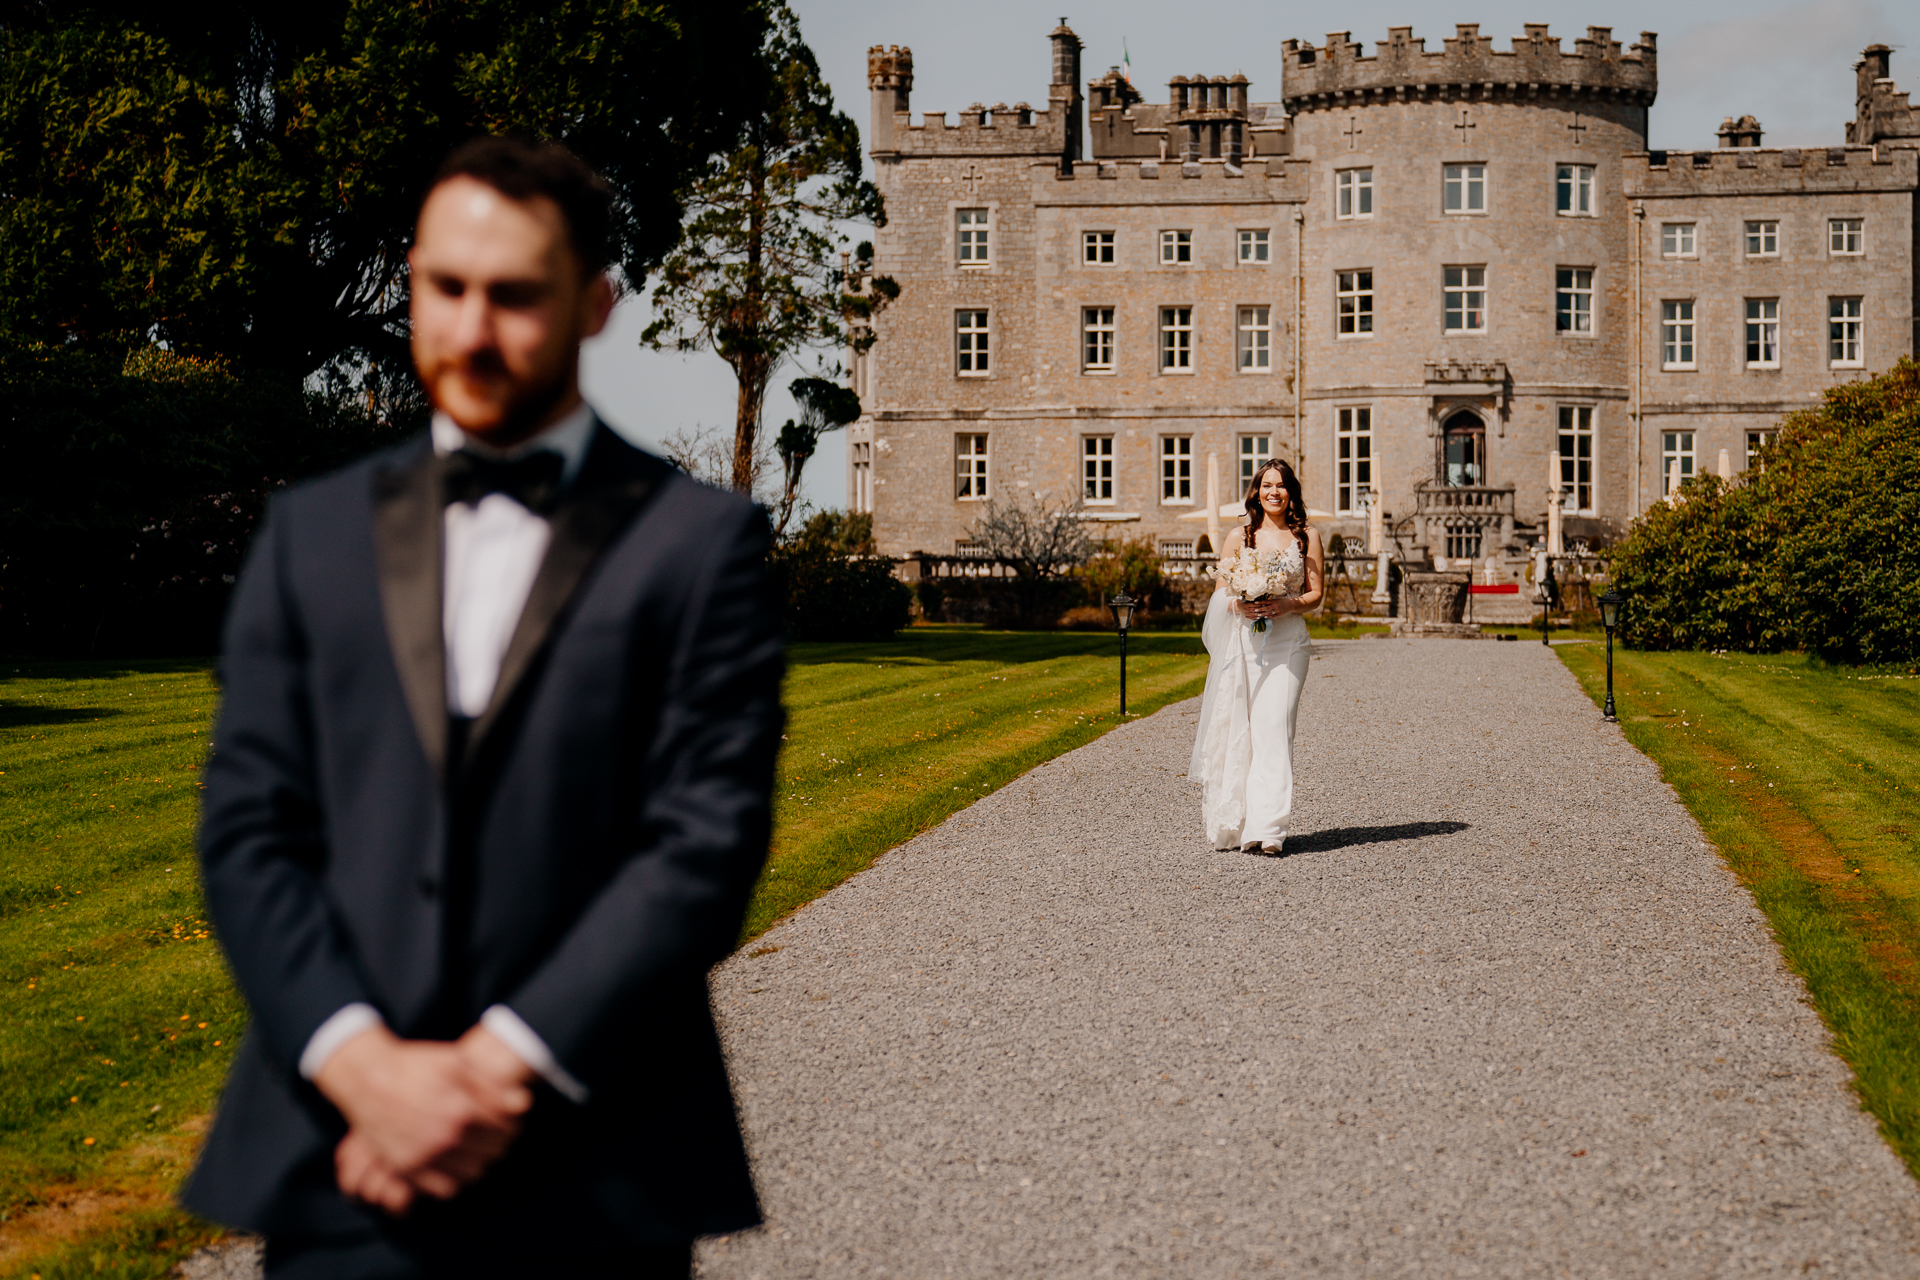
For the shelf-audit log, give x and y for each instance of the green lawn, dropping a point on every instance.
(120, 1019)
(1808, 779)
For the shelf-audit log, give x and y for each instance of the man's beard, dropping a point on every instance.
(527, 406)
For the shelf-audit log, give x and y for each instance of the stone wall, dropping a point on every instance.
(1402, 114)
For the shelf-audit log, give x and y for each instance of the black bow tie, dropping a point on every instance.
(532, 481)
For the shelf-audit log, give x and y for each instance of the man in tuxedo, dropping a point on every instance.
(488, 793)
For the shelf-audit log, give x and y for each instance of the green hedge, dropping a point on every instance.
(130, 486)
(1818, 548)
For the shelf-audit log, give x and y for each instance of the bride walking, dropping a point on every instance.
(1243, 756)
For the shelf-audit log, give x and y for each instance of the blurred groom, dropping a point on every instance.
(489, 790)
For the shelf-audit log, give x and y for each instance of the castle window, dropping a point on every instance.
(1845, 343)
(1255, 340)
(1353, 459)
(1676, 460)
(1353, 293)
(1096, 468)
(970, 342)
(1763, 333)
(860, 491)
(1758, 438)
(1176, 247)
(1176, 339)
(1465, 188)
(1096, 248)
(1176, 469)
(1763, 239)
(1573, 300)
(1353, 193)
(1576, 458)
(1573, 191)
(970, 478)
(1254, 450)
(1846, 237)
(1676, 334)
(970, 237)
(1464, 297)
(1096, 347)
(1676, 240)
(1253, 244)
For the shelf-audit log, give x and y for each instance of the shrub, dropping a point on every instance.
(832, 594)
(1697, 573)
(1844, 480)
(1127, 564)
(1815, 549)
(129, 488)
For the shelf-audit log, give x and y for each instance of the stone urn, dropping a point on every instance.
(1435, 604)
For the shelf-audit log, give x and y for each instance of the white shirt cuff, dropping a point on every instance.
(527, 1045)
(332, 1035)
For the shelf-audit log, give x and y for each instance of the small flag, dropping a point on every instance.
(1126, 62)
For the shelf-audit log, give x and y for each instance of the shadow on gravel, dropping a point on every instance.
(1346, 837)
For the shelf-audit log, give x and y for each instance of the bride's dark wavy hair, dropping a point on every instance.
(1296, 505)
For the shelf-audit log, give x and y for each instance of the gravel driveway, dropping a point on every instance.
(1497, 1012)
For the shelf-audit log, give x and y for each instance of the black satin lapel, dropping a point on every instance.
(609, 491)
(407, 534)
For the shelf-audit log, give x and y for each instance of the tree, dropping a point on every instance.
(240, 178)
(824, 406)
(1035, 538)
(755, 278)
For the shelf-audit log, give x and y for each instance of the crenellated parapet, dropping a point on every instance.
(1882, 113)
(1767, 170)
(998, 130)
(1468, 68)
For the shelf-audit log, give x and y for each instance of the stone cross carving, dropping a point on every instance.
(971, 175)
(1578, 129)
(1352, 131)
(1464, 125)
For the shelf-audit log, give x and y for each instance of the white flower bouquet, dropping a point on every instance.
(1251, 574)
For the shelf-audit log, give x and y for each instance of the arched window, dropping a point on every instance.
(1466, 449)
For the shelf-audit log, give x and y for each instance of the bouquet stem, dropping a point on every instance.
(1259, 624)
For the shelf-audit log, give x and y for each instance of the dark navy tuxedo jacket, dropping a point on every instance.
(584, 856)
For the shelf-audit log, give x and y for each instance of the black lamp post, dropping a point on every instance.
(1549, 597)
(1123, 606)
(1610, 618)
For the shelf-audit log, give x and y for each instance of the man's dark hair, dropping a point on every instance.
(520, 169)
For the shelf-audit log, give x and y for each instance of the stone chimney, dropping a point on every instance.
(1744, 132)
(1063, 93)
(890, 82)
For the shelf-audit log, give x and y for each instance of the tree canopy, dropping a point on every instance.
(240, 178)
(756, 278)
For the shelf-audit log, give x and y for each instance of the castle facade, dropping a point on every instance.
(1450, 282)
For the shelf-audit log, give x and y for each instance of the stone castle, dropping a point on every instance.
(1451, 284)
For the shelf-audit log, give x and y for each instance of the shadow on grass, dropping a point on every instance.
(1347, 837)
(927, 646)
(26, 715)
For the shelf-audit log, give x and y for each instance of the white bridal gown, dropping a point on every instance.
(1243, 756)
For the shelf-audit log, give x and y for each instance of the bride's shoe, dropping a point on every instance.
(1271, 850)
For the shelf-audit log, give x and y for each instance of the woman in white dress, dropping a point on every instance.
(1243, 756)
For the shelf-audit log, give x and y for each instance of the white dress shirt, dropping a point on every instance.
(493, 551)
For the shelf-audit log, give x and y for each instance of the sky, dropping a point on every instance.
(1790, 64)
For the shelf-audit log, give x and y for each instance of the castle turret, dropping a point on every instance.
(890, 81)
(1063, 95)
(1881, 112)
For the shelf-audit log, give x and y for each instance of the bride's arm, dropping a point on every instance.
(1313, 590)
(1230, 546)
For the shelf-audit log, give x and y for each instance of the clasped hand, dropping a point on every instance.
(1262, 608)
(424, 1117)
